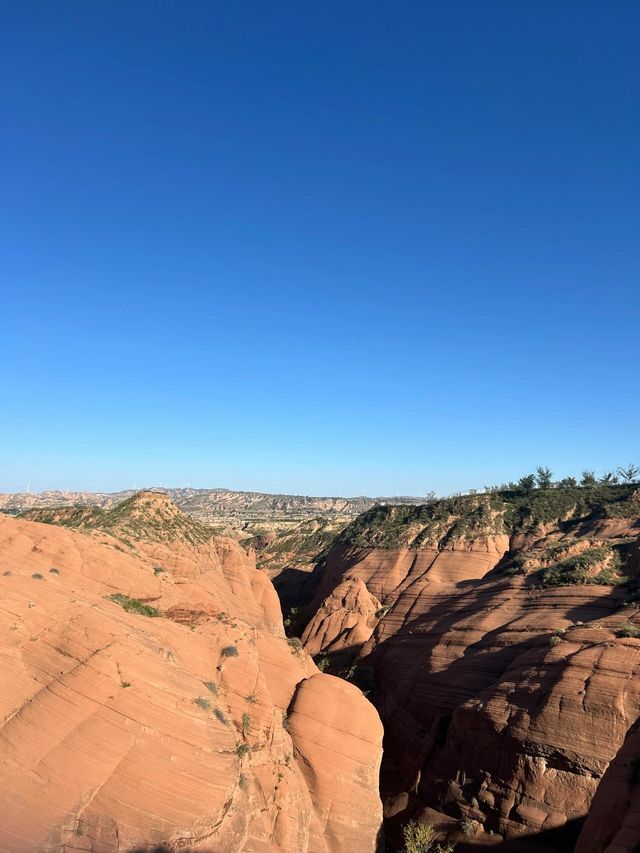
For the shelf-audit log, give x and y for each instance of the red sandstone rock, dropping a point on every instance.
(503, 702)
(120, 730)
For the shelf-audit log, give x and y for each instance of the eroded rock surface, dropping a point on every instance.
(199, 727)
(503, 675)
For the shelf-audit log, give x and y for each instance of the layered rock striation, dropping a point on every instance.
(502, 634)
(151, 698)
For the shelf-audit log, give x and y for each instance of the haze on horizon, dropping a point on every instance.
(318, 250)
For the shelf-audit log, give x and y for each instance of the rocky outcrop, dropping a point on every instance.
(504, 651)
(150, 698)
(613, 824)
(344, 620)
(337, 737)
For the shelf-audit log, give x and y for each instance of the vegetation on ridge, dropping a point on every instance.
(145, 515)
(515, 508)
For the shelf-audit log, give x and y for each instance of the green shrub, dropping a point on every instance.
(219, 713)
(203, 703)
(468, 826)
(211, 687)
(37, 576)
(296, 646)
(133, 605)
(515, 565)
(628, 630)
(252, 698)
(242, 749)
(246, 722)
(54, 571)
(421, 838)
(229, 652)
(158, 570)
(577, 570)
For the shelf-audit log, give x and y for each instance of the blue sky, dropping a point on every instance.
(326, 248)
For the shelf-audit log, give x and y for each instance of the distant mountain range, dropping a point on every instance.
(215, 506)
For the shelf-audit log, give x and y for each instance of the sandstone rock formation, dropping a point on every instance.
(613, 824)
(502, 633)
(149, 697)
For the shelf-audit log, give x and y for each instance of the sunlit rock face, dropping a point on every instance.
(149, 697)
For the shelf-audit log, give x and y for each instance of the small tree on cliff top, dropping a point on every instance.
(544, 477)
(630, 473)
(527, 483)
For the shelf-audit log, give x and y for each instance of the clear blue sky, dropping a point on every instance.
(329, 248)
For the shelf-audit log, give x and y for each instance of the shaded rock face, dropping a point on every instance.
(613, 824)
(502, 681)
(175, 714)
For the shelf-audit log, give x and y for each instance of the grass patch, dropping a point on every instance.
(133, 605)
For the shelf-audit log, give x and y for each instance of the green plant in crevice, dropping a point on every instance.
(242, 749)
(133, 605)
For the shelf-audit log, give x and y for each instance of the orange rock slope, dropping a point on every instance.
(176, 714)
(501, 634)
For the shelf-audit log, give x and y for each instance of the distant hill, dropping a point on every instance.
(215, 506)
(148, 515)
